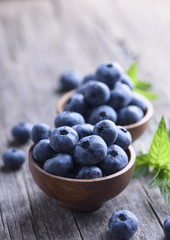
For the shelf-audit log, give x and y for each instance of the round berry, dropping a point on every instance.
(13, 158)
(123, 224)
(97, 93)
(40, 131)
(101, 113)
(43, 151)
(109, 73)
(120, 96)
(139, 101)
(90, 150)
(64, 139)
(115, 160)
(60, 165)
(124, 138)
(129, 115)
(76, 103)
(68, 118)
(22, 132)
(83, 130)
(70, 80)
(107, 130)
(88, 172)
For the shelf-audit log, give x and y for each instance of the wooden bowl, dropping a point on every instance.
(82, 194)
(136, 129)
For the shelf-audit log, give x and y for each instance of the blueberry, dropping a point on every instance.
(127, 80)
(109, 73)
(40, 131)
(138, 100)
(89, 77)
(60, 165)
(101, 113)
(115, 160)
(22, 132)
(129, 114)
(124, 138)
(83, 87)
(43, 151)
(13, 158)
(107, 130)
(97, 93)
(76, 103)
(166, 228)
(70, 80)
(68, 118)
(64, 139)
(123, 224)
(120, 96)
(83, 130)
(88, 172)
(90, 150)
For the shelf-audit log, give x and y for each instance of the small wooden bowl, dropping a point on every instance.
(82, 194)
(136, 129)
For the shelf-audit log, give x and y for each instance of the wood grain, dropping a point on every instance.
(40, 39)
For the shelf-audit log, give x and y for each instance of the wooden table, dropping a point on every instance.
(40, 39)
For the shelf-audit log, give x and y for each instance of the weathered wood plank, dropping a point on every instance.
(26, 212)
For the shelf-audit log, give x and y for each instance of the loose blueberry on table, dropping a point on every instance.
(166, 228)
(13, 158)
(123, 224)
(22, 132)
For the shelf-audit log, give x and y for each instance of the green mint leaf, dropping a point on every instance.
(159, 153)
(157, 180)
(143, 85)
(133, 72)
(148, 94)
(141, 166)
(165, 191)
(141, 171)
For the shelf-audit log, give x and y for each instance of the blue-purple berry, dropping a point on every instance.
(64, 139)
(88, 172)
(40, 131)
(70, 80)
(22, 132)
(107, 130)
(123, 224)
(60, 165)
(13, 158)
(68, 118)
(90, 150)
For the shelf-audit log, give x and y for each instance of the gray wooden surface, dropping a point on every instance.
(40, 39)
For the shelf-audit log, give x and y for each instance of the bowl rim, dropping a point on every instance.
(132, 157)
(147, 116)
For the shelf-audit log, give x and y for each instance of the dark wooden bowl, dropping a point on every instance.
(82, 194)
(136, 129)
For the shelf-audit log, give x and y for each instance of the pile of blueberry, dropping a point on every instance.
(107, 94)
(76, 149)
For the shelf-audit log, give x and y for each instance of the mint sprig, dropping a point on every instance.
(158, 159)
(141, 86)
